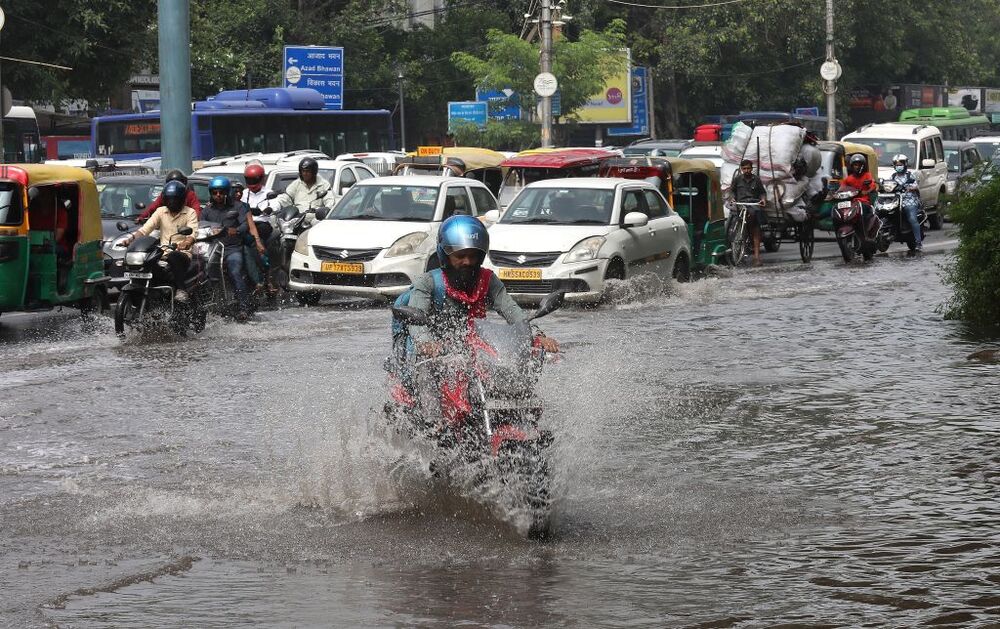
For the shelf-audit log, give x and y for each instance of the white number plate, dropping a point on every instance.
(843, 205)
(138, 276)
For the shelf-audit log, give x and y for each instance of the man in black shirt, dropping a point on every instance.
(236, 225)
(747, 188)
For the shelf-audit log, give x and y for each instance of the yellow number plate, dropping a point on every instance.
(520, 274)
(352, 268)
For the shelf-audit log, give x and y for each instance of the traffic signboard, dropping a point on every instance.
(318, 67)
(503, 104)
(474, 112)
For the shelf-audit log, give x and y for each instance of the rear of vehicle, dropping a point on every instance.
(536, 165)
(924, 149)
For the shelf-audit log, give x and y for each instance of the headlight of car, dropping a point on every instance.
(135, 258)
(586, 249)
(406, 245)
(302, 244)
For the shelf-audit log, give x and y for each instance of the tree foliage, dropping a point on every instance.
(975, 272)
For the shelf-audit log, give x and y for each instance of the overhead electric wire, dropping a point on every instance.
(676, 7)
(762, 72)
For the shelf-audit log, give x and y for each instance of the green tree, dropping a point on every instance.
(975, 272)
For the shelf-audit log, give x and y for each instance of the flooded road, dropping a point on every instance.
(793, 446)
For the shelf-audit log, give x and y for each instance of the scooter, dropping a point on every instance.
(149, 297)
(895, 226)
(478, 408)
(856, 230)
(292, 223)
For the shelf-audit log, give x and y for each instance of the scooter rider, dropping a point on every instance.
(905, 180)
(232, 235)
(860, 179)
(170, 219)
(469, 289)
(307, 192)
(190, 199)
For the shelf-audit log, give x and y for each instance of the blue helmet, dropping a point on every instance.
(220, 183)
(458, 233)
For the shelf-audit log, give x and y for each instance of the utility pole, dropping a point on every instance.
(175, 84)
(546, 67)
(402, 113)
(830, 72)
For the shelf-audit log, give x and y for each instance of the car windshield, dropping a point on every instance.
(887, 149)
(987, 149)
(387, 203)
(561, 206)
(126, 199)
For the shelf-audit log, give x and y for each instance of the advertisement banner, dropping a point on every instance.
(992, 101)
(640, 107)
(613, 104)
(968, 97)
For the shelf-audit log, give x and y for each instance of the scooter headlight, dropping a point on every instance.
(406, 245)
(586, 249)
(302, 244)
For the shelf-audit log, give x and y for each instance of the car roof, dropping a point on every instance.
(324, 164)
(588, 183)
(893, 131)
(958, 144)
(985, 138)
(672, 143)
(433, 181)
(132, 179)
(228, 169)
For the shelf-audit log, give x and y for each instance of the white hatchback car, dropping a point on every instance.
(573, 234)
(382, 234)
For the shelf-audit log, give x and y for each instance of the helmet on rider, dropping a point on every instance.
(220, 184)
(899, 162)
(858, 163)
(176, 175)
(254, 175)
(308, 164)
(460, 233)
(174, 194)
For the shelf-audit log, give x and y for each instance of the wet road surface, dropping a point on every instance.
(793, 445)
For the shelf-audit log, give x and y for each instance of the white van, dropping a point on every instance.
(923, 146)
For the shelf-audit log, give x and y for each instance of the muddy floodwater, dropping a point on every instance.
(796, 446)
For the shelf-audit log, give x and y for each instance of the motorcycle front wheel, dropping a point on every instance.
(125, 312)
(848, 247)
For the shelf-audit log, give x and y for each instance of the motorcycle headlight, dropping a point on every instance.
(586, 249)
(135, 258)
(203, 232)
(302, 244)
(406, 245)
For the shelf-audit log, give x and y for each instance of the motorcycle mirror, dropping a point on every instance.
(271, 195)
(321, 213)
(410, 315)
(256, 211)
(122, 226)
(139, 205)
(549, 304)
(185, 231)
(321, 194)
(290, 212)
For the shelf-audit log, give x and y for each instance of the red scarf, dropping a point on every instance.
(476, 302)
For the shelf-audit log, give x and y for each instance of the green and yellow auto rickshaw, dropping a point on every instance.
(50, 239)
(692, 188)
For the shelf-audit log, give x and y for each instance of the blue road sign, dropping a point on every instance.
(807, 111)
(640, 107)
(475, 112)
(503, 104)
(318, 67)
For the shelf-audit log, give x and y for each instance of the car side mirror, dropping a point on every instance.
(271, 195)
(549, 304)
(410, 315)
(636, 219)
(927, 163)
(122, 226)
(185, 231)
(492, 216)
(321, 213)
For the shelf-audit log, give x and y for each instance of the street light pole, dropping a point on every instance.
(175, 84)
(546, 66)
(831, 89)
(402, 114)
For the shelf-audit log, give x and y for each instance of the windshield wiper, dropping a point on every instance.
(537, 220)
(360, 217)
(587, 221)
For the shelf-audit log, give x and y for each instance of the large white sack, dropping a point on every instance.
(774, 149)
(815, 185)
(813, 158)
(790, 192)
(727, 173)
(736, 145)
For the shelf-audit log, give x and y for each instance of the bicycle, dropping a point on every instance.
(738, 232)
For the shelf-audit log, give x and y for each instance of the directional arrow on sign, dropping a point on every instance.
(292, 60)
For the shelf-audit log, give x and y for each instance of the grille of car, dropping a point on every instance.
(544, 287)
(507, 258)
(345, 255)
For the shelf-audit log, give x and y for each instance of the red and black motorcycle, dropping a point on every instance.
(478, 407)
(855, 224)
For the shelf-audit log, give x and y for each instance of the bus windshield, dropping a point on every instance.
(20, 137)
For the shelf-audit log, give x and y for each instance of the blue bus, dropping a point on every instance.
(268, 120)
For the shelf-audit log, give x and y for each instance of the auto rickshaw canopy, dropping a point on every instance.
(30, 175)
(701, 167)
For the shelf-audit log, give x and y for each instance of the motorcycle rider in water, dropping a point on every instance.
(905, 180)
(307, 192)
(470, 290)
(191, 200)
(170, 218)
(232, 235)
(861, 180)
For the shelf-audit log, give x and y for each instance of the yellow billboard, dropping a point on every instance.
(613, 104)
